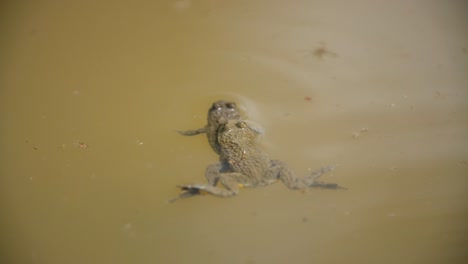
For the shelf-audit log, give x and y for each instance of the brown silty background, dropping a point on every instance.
(93, 92)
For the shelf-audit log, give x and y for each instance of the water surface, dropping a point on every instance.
(93, 92)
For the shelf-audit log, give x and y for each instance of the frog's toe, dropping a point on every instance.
(324, 185)
(185, 194)
(189, 187)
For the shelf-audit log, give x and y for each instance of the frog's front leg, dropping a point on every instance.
(281, 170)
(230, 180)
(193, 132)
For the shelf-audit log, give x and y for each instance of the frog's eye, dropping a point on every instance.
(214, 107)
(223, 128)
(241, 124)
(231, 105)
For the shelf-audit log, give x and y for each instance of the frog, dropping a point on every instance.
(243, 163)
(220, 112)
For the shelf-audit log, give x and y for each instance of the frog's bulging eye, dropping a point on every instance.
(225, 127)
(241, 125)
(231, 105)
(216, 106)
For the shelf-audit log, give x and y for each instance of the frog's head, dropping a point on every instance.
(222, 111)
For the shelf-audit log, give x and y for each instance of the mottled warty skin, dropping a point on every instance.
(241, 152)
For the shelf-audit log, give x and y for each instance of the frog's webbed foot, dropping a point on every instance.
(291, 181)
(231, 182)
(191, 190)
(312, 182)
(193, 132)
(188, 193)
(324, 185)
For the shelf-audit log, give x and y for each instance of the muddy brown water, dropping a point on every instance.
(93, 92)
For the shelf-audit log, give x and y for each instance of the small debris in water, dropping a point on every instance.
(439, 94)
(308, 98)
(322, 51)
(81, 145)
(360, 132)
(34, 146)
(62, 146)
(129, 229)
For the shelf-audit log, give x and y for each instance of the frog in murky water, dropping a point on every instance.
(244, 164)
(219, 113)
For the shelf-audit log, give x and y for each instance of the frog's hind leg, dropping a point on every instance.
(231, 181)
(288, 177)
(281, 170)
(213, 173)
(186, 194)
(311, 179)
